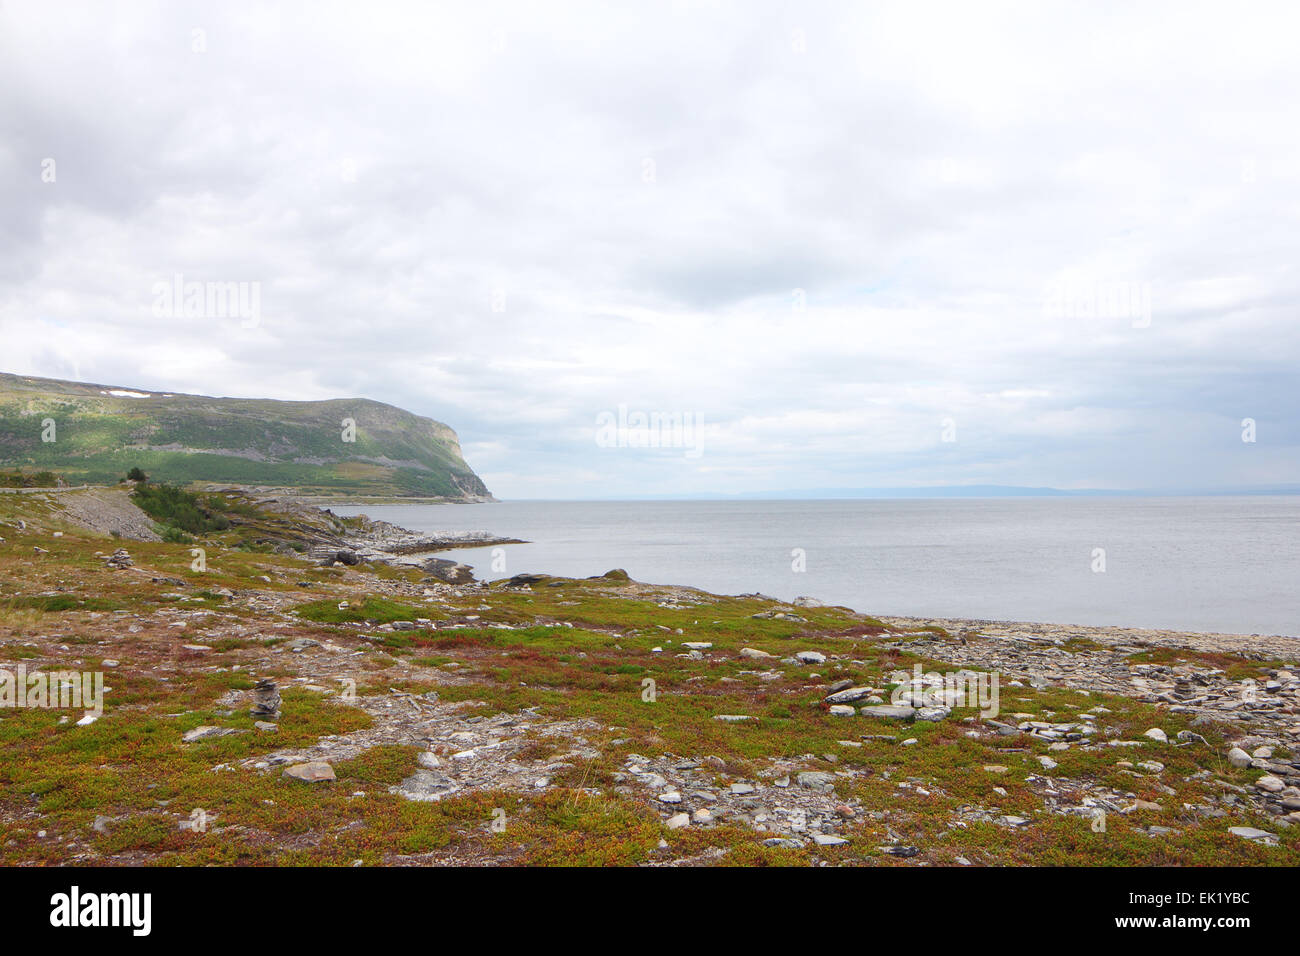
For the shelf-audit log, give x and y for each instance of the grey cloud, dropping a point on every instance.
(924, 175)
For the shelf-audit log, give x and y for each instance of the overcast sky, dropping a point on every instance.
(1063, 237)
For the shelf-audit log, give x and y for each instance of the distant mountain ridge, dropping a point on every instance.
(96, 433)
(960, 491)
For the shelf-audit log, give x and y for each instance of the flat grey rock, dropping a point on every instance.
(849, 695)
(207, 733)
(828, 839)
(1250, 833)
(816, 780)
(424, 786)
(888, 711)
(933, 714)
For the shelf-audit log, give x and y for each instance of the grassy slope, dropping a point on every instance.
(185, 438)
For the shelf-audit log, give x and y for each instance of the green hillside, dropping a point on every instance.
(101, 431)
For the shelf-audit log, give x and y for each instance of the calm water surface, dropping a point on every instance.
(1198, 564)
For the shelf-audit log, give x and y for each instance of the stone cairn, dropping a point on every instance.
(266, 700)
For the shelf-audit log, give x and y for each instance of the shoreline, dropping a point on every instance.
(387, 543)
(1116, 634)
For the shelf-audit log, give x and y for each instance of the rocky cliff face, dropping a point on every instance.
(95, 433)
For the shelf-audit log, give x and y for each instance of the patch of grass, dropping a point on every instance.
(53, 603)
(21, 479)
(377, 609)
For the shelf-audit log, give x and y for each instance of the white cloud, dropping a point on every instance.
(513, 217)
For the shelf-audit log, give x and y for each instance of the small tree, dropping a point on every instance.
(136, 474)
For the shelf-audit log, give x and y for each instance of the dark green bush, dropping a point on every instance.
(180, 512)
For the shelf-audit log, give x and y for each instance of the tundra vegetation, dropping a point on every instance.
(530, 700)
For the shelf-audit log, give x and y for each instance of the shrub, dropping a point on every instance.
(18, 479)
(179, 511)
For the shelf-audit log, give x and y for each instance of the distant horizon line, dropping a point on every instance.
(937, 492)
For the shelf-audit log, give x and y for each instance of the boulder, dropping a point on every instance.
(449, 572)
(1238, 757)
(523, 580)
